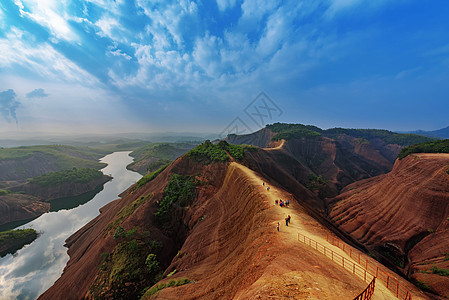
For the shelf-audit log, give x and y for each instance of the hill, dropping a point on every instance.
(326, 161)
(442, 133)
(205, 226)
(151, 157)
(403, 218)
(31, 175)
(21, 163)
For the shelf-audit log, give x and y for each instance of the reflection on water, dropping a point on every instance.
(74, 201)
(34, 268)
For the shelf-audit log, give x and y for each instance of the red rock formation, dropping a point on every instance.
(403, 215)
(17, 207)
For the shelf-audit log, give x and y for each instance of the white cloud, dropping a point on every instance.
(166, 18)
(119, 53)
(225, 4)
(106, 25)
(41, 59)
(51, 14)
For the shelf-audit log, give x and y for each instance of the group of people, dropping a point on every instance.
(287, 221)
(282, 203)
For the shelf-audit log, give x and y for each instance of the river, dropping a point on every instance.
(34, 268)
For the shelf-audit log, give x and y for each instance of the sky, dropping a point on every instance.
(222, 66)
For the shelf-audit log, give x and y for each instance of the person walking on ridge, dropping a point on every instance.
(277, 226)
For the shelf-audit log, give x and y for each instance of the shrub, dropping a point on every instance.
(152, 263)
(179, 190)
(208, 153)
(161, 286)
(441, 146)
(4, 192)
(441, 272)
(147, 178)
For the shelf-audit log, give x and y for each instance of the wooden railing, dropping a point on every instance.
(345, 263)
(390, 282)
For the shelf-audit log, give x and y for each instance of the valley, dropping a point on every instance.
(204, 226)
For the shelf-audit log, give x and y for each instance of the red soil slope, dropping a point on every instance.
(230, 245)
(404, 216)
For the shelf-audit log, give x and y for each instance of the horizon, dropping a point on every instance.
(221, 67)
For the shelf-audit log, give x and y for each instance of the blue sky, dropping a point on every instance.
(100, 65)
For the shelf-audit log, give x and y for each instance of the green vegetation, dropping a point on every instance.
(424, 286)
(65, 157)
(209, 153)
(441, 272)
(180, 191)
(155, 155)
(81, 175)
(289, 131)
(13, 240)
(155, 165)
(4, 192)
(315, 182)
(250, 148)
(147, 178)
(387, 136)
(441, 146)
(161, 286)
(125, 212)
(128, 269)
(293, 131)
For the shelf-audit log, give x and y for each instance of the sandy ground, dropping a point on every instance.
(306, 225)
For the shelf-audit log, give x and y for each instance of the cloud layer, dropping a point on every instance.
(157, 56)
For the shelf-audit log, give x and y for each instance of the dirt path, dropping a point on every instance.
(281, 144)
(306, 225)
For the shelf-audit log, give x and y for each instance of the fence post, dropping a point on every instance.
(364, 280)
(343, 262)
(377, 271)
(388, 280)
(353, 269)
(366, 265)
(397, 289)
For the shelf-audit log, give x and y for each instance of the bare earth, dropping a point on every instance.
(274, 265)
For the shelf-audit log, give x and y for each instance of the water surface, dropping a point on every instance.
(34, 268)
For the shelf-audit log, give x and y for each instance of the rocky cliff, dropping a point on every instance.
(403, 217)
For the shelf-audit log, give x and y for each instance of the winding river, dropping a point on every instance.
(34, 268)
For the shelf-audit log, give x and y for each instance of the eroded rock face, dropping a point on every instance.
(404, 216)
(17, 207)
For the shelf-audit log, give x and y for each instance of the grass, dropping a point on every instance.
(161, 286)
(147, 178)
(125, 212)
(424, 286)
(439, 271)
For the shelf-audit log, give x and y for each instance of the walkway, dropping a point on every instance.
(303, 223)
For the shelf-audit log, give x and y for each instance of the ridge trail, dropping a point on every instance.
(306, 225)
